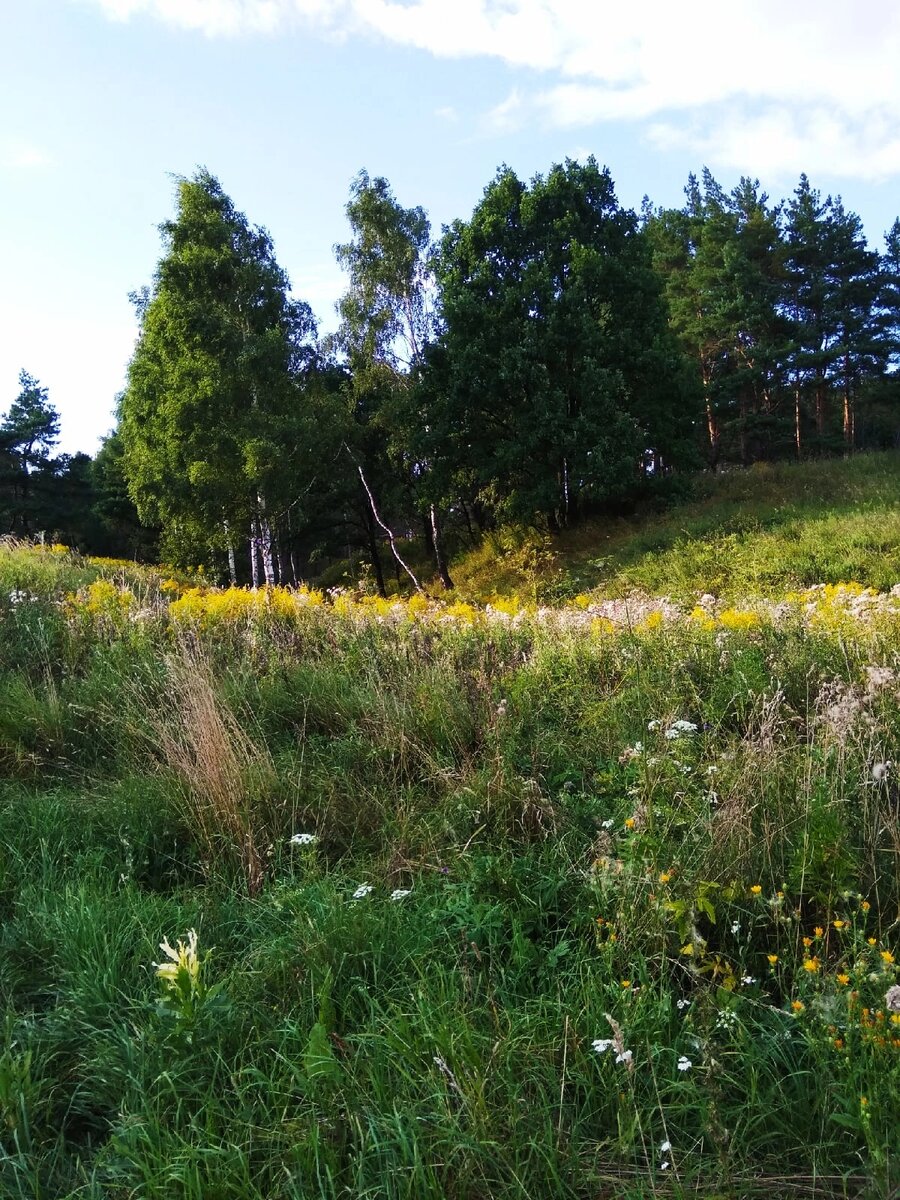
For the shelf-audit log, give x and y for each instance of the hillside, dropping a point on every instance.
(762, 531)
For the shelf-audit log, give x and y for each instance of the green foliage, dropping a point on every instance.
(213, 388)
(555, 371)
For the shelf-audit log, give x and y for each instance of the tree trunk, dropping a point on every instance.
(265, 542)
(438, 544)
(468, 520)
(849, 415)
(374, 556)
(232, 565)
(254, 554)
(712, 424)
(820, 406)
(797, 442)
(392, 541)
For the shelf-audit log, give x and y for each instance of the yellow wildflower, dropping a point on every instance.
(811, 965)
(756, 889)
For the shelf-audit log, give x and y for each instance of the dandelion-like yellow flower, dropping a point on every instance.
(626, 983)
(665, 877)
(839, 924)
(688, 949)
(756, 889)
(811, 964)
(773, 959)
(818, 931)
(865, 906)
(843, 979)
(798, 1006)
(807, 942)
(872, 941)
(629, 822)
(887, 956)
(838, 1043)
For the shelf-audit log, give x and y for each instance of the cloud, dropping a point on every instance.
(20, 156)
(794, 84)
(507, 116)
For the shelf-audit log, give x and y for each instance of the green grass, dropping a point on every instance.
(759, 532)
(565, 885)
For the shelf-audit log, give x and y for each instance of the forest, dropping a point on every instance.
(554, 356)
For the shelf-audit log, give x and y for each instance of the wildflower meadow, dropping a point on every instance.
(307, 893)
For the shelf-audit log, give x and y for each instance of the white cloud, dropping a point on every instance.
(507, 116)
(796, 84)
(447, 113)
(19, 156)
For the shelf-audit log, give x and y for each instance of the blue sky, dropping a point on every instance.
(285, 100)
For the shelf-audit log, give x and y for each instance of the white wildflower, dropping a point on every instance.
(680, 729)
(880, 771)
(665, 1147)
(684, 1063)
(601, 1045)
(607, 824)
(735, 927)
(625, 1057)
(682, 1004)
(304, 839)
(363, 890)
(748, 979)
(400, 893)
(892, 999)
(652, 726)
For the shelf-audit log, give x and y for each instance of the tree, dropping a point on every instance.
(386, 324)
(835, 283)
(214, 386)
(28, 433)
(557, 372)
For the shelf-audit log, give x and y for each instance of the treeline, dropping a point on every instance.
(552, 356)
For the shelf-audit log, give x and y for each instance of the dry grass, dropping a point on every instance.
(226, 778)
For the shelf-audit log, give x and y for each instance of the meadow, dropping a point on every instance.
(315, 894)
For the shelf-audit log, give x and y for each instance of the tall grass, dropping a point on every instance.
(525, 837)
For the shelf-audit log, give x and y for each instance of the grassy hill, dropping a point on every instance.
(331, 896)
(763, 531)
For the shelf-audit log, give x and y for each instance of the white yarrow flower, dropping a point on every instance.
(304, 839)
(684, 1063)
(665, 1147)
(363, 890)
(625, 1057)
(400, 893)
(601, 1045)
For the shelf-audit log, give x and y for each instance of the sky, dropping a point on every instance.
(105, 102)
